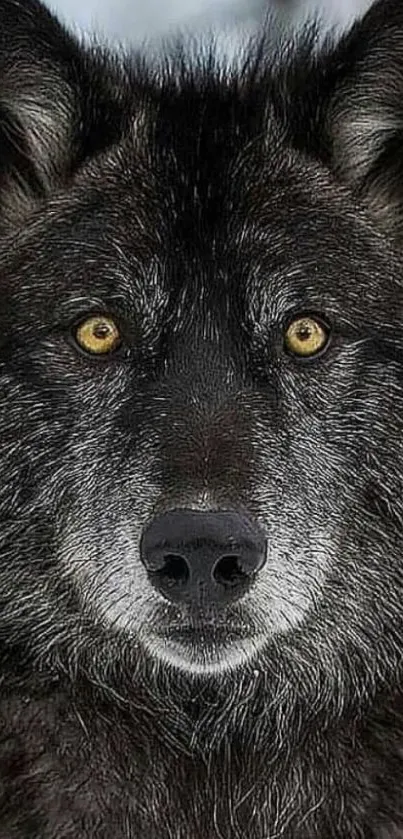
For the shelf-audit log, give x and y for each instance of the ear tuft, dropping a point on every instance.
(35, 143)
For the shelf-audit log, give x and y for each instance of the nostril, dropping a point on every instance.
(174, 569)
(228, 571)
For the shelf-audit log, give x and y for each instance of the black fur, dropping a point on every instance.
(201, 207)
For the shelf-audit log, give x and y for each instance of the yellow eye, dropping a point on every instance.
(98, 334)
(305, 336)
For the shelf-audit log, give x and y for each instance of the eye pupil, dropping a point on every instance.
(304, 332)
(101, 330)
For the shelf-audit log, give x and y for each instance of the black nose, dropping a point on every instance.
(202, 558)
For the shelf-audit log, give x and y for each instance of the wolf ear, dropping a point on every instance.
(56, 106)
(364, 120)
(37, 101)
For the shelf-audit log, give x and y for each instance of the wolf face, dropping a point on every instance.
(200, 359)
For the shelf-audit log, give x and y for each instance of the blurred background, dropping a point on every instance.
(138, 20)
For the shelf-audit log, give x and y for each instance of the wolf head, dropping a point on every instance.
(201, 349)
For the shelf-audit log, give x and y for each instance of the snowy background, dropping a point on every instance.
(137, 20)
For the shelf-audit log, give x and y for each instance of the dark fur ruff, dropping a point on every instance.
(201, 208)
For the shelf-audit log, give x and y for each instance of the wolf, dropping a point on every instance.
(201, 435)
